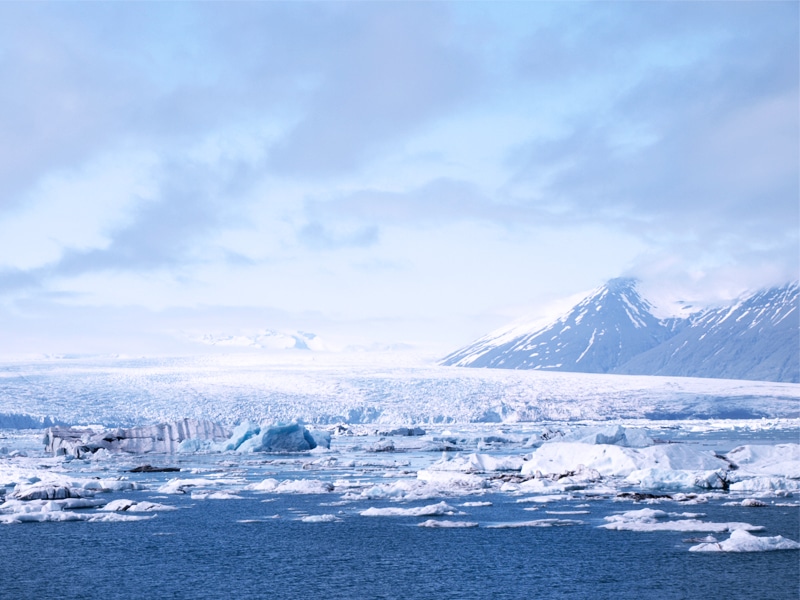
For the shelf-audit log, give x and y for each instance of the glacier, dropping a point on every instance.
(335, 389)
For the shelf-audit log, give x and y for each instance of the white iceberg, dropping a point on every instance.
(221, 495)
(763, 485)
(669, 479)
(536, 523)
(741, 541)
(617, 461)
(615, 435)
(437, 524)
(781, 459)
(292, 486)
(478, 463)
(432, 510)
(320, 519)
(184, 485)
(447, 480)
(648, 519)
(162, 438)
(124, 505)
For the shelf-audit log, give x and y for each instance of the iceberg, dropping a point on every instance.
(781, 459)
(205, 495)
(241, 433)
(182, 486)
(124, 505)
(661, 479)
(320, 519)
(437, 524)
(279, 438)
(741, 541)
(617, 461)
(763, 485)
(448, 480)
(648, 519)
(478, 463)
(162, 438)
(615, 435)
(292, 486)
(536, 523)
(432, 510)
(48, 491)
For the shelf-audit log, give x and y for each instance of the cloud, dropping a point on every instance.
(285, 148)
(318, 237)
(390, 69)
(702, 144)
(441, 200)
(193, 202)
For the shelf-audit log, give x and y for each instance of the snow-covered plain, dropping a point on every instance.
(451, 448)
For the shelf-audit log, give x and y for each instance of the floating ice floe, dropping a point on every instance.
(320, 519)
(567, 512)
(124, 505)
(432, 510)
(648, 519)
(753, 503)
(437, 524)
(536, 523)
(742, 541)
(183, 485)
(57, 486)
(204, 495)
(542, 499)
(49, 517)
(48, 491)
(292, 486)
(48, 511)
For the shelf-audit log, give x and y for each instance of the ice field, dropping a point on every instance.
(386, 389)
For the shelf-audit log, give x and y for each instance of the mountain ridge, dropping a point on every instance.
(614, 330)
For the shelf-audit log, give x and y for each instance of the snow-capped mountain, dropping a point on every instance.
(756, 338)
(606, 329)
(614, 330)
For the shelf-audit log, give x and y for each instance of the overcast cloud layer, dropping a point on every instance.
(384, 173)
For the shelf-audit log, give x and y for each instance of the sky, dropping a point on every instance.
(384, 174)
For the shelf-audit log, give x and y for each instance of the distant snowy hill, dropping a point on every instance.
(266, 339)
(613, 330)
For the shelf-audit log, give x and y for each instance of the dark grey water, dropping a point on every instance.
(204, 552)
